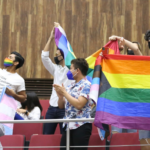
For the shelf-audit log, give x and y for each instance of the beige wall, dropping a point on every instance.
(25, 26)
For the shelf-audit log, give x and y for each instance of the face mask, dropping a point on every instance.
(149, 45)
(130, 52)
(57, 61)
(70, 75)
(8, 62)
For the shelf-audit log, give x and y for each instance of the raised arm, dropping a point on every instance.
(129, 44)
(47, 62)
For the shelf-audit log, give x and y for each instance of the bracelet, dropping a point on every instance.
(26, 112)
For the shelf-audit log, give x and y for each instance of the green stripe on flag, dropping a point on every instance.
(127, 95)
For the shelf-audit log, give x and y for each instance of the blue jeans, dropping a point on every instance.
(53, 113)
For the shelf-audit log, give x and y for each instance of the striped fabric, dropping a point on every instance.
(8, 107)
(124, 94)
(110, 48)
(63, 44)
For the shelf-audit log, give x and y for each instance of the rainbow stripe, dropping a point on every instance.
(124, 95)
(8, 62)
(110, 48)
(8, 107)
(63, 44)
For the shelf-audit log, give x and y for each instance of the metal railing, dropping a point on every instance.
(67, 132)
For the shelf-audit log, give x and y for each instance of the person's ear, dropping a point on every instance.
(78, 70)
(16, 63)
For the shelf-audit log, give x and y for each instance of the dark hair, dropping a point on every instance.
(147, 35)
(62, 53)
(138, 44)
(31, 102)
(82, 64)
(18, 58)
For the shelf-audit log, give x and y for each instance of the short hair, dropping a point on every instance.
(82, 64)
(62, 53)
(18, 58)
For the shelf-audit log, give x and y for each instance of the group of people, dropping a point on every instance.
(70, 93)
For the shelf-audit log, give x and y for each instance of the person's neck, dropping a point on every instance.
(11, 69)
(62, 63)
(79, 78)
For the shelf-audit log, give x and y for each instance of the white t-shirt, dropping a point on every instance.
(59, 73)
(35, 114)
(13, 80)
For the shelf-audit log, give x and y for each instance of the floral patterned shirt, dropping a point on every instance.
(82, 88)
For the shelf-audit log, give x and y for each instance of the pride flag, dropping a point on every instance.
(63, 44)
(8, 107)
(95, 65)
(124, 93)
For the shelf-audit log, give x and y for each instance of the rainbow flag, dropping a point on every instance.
(8, 107)
(110, 48)
(63, 44)
(124, 93)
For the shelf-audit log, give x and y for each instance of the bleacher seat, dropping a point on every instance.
(45, 105)
(125, 139)
(28, 129)
(45, 140)
(94, 129)
(12, 140)
(95, 140)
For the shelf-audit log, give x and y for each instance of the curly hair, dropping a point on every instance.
(82, 64)
(147, 35)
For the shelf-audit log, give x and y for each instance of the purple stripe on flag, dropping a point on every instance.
(9, 101)
(141, 123)
(58, 34)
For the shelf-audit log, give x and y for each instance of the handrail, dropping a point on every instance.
(48, 120)
(68, 133)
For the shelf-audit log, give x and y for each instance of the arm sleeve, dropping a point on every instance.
(85, 91)
(47, 62)
(21, 86)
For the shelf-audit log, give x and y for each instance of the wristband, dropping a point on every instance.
(26, 112)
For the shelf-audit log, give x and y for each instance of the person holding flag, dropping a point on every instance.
(58, 70)
(12, 89)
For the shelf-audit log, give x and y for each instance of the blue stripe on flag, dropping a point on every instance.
(8, 131)
(62, 44)
(133, 109)
(96, 80)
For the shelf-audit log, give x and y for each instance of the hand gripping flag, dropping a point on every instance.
(63, 44)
